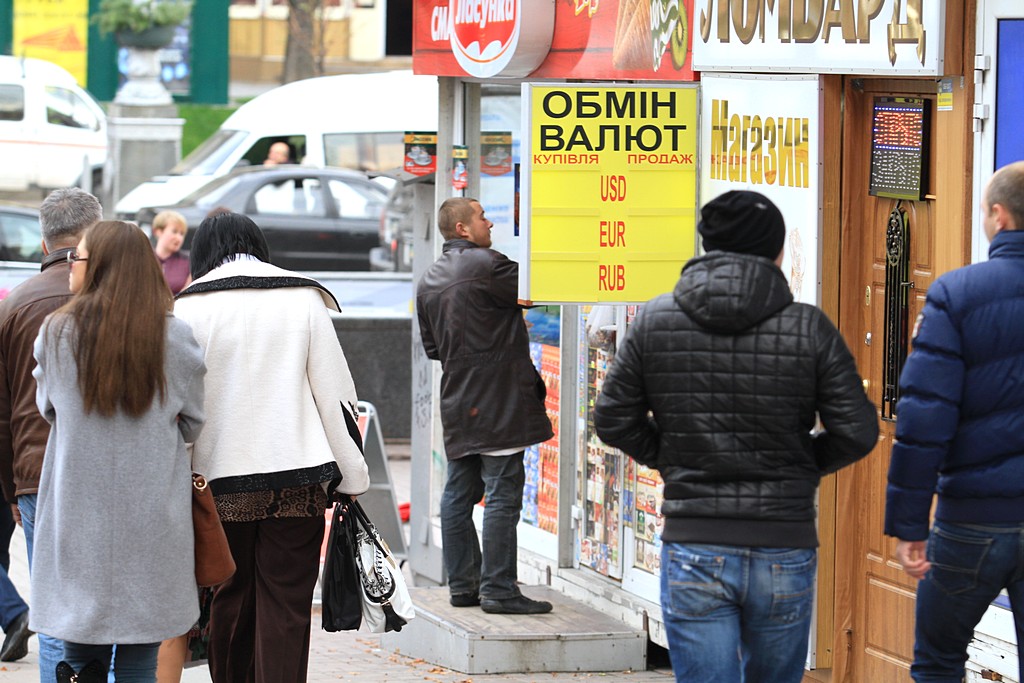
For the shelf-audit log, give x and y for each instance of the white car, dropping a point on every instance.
(51, 131)
(355, 121)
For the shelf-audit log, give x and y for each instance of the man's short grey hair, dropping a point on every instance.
(65, 214)
(1007, 188)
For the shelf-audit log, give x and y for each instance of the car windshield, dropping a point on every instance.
(209, 195)
(208, 157)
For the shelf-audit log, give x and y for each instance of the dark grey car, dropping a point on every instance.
(21, 246)
(314, 219)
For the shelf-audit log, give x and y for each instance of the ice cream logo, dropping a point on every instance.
(645, 29)
(484, 34)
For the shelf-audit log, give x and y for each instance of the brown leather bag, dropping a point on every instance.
(214, 564)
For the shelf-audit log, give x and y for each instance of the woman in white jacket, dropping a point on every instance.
(280, 438)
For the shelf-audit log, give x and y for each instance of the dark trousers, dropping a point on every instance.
(260, 618)
(492, 570)
(11, 604)
(971, 564)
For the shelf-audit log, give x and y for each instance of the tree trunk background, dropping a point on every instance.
(301, 49)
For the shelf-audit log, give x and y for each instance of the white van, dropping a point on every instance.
(353, 121)
(51, 130)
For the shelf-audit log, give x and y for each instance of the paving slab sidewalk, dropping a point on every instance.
(354, 657)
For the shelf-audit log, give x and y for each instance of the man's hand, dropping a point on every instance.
(16, 513)
(911, 554)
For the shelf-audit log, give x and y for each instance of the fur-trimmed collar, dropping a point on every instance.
(252, 274)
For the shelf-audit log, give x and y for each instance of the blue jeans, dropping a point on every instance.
(11, 604)
(737, 614)
(970, 564)
(500, 479)
(133, 663)
(51, 650)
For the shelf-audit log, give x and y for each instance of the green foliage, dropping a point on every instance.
(201, 121)
(136, 16)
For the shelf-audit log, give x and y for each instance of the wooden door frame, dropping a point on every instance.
(952, 169)
(831, 211)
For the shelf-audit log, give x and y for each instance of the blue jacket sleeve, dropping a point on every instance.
(927, 416)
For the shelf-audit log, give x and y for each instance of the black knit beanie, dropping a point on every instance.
(744, 222)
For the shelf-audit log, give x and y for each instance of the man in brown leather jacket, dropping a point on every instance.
(492, 406)
(64, 215)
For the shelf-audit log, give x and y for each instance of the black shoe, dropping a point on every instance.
(16, 642)
(465, 600)
(93, 672)
(517, 605)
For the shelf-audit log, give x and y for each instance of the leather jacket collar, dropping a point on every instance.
(55, 256)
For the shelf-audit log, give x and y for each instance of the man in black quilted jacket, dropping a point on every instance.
(718, 385)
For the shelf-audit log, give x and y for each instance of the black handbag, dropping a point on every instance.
(340, 587)
(362, 581)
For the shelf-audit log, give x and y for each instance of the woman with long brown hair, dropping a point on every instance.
(121, 381)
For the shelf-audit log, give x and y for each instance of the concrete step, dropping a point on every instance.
(573, 637)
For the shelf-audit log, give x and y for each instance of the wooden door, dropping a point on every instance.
(874, 633)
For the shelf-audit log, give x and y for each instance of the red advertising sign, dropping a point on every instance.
(489, 38)
(420, 153)
(593, 39)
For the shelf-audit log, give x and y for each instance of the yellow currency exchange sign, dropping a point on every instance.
(611, 185)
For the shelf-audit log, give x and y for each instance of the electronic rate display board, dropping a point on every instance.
(899, 148)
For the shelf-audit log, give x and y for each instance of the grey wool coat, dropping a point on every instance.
(113, 548)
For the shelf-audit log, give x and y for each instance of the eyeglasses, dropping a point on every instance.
(74, 257)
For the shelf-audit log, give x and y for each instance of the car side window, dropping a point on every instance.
(295, 196)
(259, 152)
(12, 103)
(65, 108)
(364, 151)
(22, 239)
(356, 201)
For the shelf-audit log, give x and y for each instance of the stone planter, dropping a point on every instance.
(152, 38)
(143, 87)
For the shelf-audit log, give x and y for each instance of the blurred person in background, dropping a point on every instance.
(64, 216)
(120, 379)
(169, 229)
(280, 440)
(279, 153)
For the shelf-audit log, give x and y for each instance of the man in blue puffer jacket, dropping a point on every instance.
(960, 433)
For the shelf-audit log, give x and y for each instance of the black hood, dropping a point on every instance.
(729, 292)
